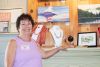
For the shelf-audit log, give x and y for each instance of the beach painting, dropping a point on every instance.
(53, 14)
(89, 14)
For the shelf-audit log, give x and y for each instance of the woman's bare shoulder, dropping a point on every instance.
(12, 42)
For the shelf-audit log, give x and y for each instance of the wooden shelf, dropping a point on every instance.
(8, 33)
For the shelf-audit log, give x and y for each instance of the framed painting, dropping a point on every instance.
(87, 39)
(53, 14)
(89, 14)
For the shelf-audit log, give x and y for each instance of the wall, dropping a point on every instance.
(74, 27)
(9, 4)
(71, 28)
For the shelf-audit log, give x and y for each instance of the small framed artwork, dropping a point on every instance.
(4, 26)
(87, 39)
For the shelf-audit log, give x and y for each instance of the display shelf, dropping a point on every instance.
(75, 57)
(8, 33)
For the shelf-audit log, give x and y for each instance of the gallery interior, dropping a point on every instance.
(74, 24)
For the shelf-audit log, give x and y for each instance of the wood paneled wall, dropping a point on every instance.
(74, 27)
(89, 27)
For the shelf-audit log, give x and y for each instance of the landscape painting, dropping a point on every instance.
(89, 14)
(53, 14)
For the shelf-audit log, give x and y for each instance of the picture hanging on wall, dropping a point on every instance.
(53, 14)
(4, 27)
(89, 14)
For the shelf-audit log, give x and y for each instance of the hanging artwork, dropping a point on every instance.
(4, 27)
(89, 14)
(5, 16)
(53, 14)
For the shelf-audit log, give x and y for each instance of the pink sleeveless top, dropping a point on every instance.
(27, 54)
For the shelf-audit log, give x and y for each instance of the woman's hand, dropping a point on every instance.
(62, 48)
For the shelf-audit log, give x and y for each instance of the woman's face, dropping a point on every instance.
(25, 27)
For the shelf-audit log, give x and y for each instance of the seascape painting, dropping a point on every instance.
(53, 14)
(89, 14)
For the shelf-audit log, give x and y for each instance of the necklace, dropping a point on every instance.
(57, 34)
(25, 47)
(25, 44)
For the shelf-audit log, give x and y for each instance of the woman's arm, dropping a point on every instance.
(10, 53)
(49, 53)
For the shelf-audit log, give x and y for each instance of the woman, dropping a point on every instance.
(22, 51)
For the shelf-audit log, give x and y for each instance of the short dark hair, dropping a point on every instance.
(24, 16)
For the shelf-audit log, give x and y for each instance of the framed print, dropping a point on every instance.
(89, 13)
(87, 39)
(4, 27)
(5, 15)
(53, 14)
